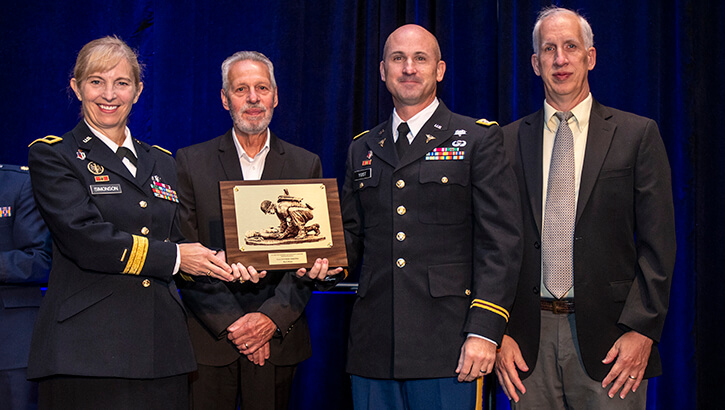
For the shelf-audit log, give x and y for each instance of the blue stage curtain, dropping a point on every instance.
(659, 59)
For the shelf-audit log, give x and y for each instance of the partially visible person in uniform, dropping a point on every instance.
(430, 206)
(599, 235)
(248, 337)
(25, 250)
(111, 332)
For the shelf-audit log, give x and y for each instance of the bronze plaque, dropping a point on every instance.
(283, 224)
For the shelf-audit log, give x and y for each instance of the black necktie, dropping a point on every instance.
(124, 152)
(402, 144)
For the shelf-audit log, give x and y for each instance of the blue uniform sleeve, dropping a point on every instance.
(27, 258)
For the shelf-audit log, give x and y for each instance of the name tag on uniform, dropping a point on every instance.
(106, 189)
(366, 173)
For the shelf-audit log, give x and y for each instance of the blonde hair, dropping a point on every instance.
(103, 54)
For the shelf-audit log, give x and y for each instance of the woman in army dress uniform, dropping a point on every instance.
(111, 332)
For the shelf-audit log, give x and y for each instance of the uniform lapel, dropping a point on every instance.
(381, 143)
(146, 164)
(434, 133)
(229, 158)
(531, 136)
(601, 132)
(97, 151)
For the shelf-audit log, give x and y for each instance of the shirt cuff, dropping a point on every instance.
(482, 337)
(177, 265)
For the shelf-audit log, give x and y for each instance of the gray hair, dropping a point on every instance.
(242, 56)
(547, 12)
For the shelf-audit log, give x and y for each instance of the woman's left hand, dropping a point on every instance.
(198, 260)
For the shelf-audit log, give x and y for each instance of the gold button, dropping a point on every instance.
(468, 292)
(362, 185)
(444, 179)
(146, 283)
(400, 184)
(400, 262)
(400, 236)
(144, 231)
(401, 210)
(143, 204)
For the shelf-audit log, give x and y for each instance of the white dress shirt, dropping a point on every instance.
(251, 167)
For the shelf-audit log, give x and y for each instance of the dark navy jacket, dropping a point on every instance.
(25, 249)
(112, 308)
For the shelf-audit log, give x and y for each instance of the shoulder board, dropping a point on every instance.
(16, 168)
(48, 139)
(486, 122)
(360, 135)
(161, 149)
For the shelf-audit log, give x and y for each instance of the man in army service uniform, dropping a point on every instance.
(430, 207)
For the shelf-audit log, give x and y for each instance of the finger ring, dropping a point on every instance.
(246, 346)
(632, 377)
(482, 371)
(208, 273)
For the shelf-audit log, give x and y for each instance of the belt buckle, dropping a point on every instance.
(557, 307)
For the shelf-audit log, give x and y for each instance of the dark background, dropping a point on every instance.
(660, 58)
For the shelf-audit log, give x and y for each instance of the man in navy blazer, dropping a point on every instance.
(25, 249)
(599, 339)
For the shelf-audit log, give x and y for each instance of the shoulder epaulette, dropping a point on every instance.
(486, 122)
(17, 168)
(162, 149)
(360, 135)
(48, 139)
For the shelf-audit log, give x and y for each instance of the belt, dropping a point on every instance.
(558, 306)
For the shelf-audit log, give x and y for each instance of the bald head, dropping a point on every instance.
(412, 33)
(411, 69)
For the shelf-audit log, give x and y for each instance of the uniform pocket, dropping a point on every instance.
(365, 186)
(449, 280)
(84, 299)
(444, 194)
